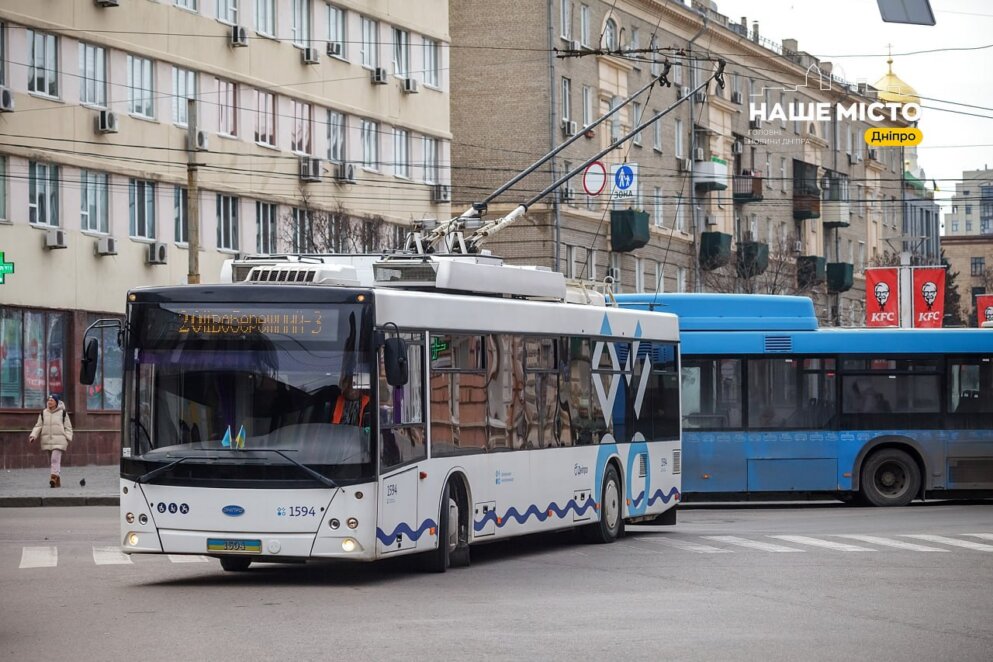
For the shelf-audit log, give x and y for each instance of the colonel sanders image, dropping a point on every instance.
(988, 313)
(882, 292)
(930, 292)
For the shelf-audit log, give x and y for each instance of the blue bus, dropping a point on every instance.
(773, 406)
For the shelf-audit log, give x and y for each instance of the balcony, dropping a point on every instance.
(753, 258)
(806, 205)
(840, 276)
(715, 250)
(710, 175)
(628, 230)
(836, 213)
(810, 270)
(748, 187)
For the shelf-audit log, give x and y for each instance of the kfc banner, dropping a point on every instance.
(929, 297)
(984, 308)
(882, 297)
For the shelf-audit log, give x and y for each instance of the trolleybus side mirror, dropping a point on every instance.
(395, 358)
(88, 364)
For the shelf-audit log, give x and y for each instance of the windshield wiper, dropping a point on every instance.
(321, 478)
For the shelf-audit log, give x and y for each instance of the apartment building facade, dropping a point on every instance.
(321, 126)
(971, 211)
(780, 205)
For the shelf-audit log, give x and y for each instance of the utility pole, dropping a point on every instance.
(192, 194)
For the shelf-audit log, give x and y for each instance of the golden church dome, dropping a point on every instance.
(892, 88)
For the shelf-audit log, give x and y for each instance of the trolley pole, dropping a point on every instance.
(192, 194)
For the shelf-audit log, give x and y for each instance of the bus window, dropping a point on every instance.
(661, 408)
(458, 395)
(579, 390)
(774, 394)
(970, 386)
(895, 386)
(401, 411)
(711, 393)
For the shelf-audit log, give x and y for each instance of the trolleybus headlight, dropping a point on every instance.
(133, 539)
(352, 523)
(348, 545)
(143, 519)
(334, 523)
(130, 518)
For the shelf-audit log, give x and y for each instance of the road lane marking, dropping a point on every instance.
(187, 558)
(984, 536)
(887, 542)
(827, 544)
(967, 544)
(753, 544)
(39, 557)
(686, 546)
(109, 556)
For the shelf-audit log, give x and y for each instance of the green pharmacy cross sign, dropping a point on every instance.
(437, 345)
(5, 268)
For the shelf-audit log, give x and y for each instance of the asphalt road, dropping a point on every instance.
(823, 582)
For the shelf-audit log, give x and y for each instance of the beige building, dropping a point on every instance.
(736, 202)
(972, 258)
(321, 127)
(972, 205)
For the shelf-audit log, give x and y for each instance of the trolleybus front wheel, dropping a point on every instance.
(890, 477)
(439, 559)
(611, 525)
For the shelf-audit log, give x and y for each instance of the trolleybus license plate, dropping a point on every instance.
(233, 546)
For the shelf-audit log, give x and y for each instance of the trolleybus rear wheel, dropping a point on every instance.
(890, 477)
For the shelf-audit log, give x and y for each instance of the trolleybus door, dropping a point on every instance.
(398, 526)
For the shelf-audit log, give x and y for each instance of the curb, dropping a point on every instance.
(58, 502)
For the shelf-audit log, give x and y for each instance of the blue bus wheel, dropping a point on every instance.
(890, 477)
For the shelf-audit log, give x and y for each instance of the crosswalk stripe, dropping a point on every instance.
(187, 558)
(109, 556)
(826, 544)
(888, 542)
(39, 557)
(753, 544)
(686, 546)
(984, 536)
(967, 544)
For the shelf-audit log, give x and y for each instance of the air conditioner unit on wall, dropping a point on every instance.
(345, 172)
(201, 142)
(410, 85)
(441, 193)
(106, 246)
(379, 76)
(798, 246)
(310, 56)
(569, 127)
(239, 36)
(335, 49)
(310, 169)
(700, 96)
(683, 92)
(698, 154)
(736, 97)
(107, 122)
(55, 238)
(158, 252)
(6, 100)
(567, 194)
(737, 147)
(106, 3)
(755, 124)
(683, 164)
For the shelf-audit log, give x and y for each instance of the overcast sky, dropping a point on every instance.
(838, 30)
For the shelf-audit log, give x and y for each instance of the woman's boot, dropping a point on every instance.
(53, 481)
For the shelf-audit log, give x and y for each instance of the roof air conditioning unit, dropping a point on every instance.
(737, 147)
(55, 238)
(310, 56)
(684, 92)
(239, 36)
(157, 253)
(683, 164)
(569, 127)
(6, 100)
(441, 193)
(698, 154)
(107, 122)
(310, 169)
(200, 142)
(410, 85)
(379, 76)
(755, 124)
(106, 3)
(335, 49)
(345, 172)
(736, 97)
(107, 246)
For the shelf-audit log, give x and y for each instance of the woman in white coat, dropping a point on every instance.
(54, 429)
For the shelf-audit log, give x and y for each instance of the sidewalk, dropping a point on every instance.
(29, 487)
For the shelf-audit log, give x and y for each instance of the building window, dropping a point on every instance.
(337, 29)
(401, 153)
(782, 174)
(677, 71)
(300, 22)
(615, 271)
(227, 107)
(968, 226)
(634, 46)
(680, 213)
(584, 25)
(639, 274)
(43, 64)
(658, 207)
(43, 193)
(659, 277)
(92, 75)
(180, 198)
(680, 279)
(141, 209)
(657, 134)
(227, 222)
(401, 53)
(656, 68)
(184, 86)
(610, 35)
(265, 228)
(140, 86)
(587, 105)
(300, 141)
(432, 59)
(33, 346)
(227, 11)
(3, 183)
(565, 18)
(186, 4)
(636, 111)
(860, 265)
(566, 99)
(3, 54)
(336, 137)
(678, 144)
(430, 146)
(978, 266)
(370, 145)
(369, 55)
(968, 210)
(265, 17)
(265, 118)
(93, 201)
(955, 226)
(302, 238)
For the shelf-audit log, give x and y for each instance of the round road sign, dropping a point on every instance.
(595, 178)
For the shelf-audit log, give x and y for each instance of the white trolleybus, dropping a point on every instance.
(298, 413)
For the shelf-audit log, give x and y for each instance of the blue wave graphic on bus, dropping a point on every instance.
(534, 511)
(403, 528)
(659, 494)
